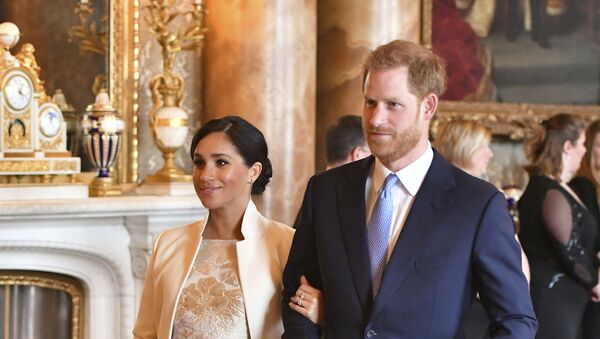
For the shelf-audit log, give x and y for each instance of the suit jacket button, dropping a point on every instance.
(371, 333)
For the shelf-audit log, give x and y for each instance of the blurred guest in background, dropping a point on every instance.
(466, 145)
(557, 231)
(586, 184)
(345, 141)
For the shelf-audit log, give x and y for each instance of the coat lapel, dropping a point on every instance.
(255, 262)
(182, 256)
(421, 222)
(352, 216)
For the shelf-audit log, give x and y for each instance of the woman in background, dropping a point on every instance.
(466, 145)
(557, 231)
(587, 184)
(220, 277)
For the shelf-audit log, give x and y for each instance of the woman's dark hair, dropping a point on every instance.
(544, 150)
(247, 139)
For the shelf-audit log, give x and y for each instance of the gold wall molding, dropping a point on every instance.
(123, 80)
(515, 121)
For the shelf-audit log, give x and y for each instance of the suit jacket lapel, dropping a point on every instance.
(352, 216)
(421, 222)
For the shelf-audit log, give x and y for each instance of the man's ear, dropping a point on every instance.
(429, 106)
(358, 153)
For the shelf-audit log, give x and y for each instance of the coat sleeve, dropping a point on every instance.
(498, 275)
(145, 324)
(301, 261)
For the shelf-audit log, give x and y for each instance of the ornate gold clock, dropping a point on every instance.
(33, 137)
(17, 109)
(52, 128)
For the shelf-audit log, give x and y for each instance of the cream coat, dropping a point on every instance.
(261, 256)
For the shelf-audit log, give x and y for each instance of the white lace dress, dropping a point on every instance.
(211, 303)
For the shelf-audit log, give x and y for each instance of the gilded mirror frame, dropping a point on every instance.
(124, 79)
(514, 120)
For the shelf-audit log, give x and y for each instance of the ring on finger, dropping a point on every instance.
(300, 302)
(302, 296)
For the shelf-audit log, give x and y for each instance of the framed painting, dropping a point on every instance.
(512, 63)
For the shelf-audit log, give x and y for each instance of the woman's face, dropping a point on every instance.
(221, 177)
(596, 152)
(481, 159)
(573, 160)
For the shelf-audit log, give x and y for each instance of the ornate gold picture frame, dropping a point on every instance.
(514, 120)
(123, 80)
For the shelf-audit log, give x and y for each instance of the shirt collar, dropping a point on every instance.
(411, 176)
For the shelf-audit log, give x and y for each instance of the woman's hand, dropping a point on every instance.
(596, 290)
(308, 301)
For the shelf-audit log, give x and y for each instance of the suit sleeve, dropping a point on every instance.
(145, 327)
(498, 274)
(301, 261)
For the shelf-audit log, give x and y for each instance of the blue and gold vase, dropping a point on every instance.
(102, 137)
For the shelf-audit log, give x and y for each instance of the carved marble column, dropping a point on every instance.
(347, 31)
(259, 63)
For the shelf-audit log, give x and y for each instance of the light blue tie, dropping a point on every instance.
(378, 230)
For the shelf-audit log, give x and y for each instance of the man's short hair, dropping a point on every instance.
(342, 137)
(426, 70)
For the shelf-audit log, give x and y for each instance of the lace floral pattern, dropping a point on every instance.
(211, 303)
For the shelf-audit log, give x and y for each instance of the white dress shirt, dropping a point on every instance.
(403, 193)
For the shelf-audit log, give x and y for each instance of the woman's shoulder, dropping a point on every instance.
(171, 235)
(542, 183)
(278, 228)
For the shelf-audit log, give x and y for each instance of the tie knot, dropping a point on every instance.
(389, 182)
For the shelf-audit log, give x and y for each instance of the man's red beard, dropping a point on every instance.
(400, 145)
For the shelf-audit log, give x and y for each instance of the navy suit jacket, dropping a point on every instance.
(458, 239)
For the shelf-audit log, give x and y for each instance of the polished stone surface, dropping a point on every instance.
(260, 64)
(347, 31)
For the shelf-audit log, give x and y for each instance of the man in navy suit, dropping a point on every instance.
(447, 236)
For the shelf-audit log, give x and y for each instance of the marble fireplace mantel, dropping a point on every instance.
(104, 242)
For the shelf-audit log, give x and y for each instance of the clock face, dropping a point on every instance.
(50, 122)
(18, 91)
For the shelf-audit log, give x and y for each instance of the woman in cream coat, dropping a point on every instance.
(220, 277)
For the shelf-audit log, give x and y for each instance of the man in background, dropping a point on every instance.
(345, 142)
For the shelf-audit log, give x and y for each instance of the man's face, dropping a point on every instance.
(393, 118)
